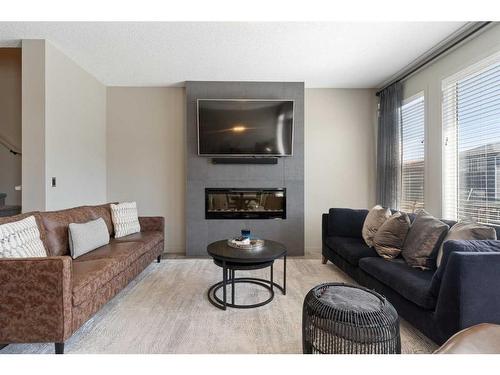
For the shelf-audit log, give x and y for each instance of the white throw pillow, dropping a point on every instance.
(21, 239)
(125, 218)
(85, 237)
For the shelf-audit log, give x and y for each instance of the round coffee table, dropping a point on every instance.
(231, 259)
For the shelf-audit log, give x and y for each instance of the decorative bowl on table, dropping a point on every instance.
(246, 243)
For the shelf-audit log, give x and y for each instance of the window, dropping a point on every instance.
(412, 154)
(471, 130)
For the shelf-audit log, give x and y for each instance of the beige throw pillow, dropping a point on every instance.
(374, 220)
(125, 219)
(85, 237)
(467, 231)
(423, 241)
(389, 239)
(21, 239)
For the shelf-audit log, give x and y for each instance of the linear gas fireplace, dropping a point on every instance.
(245, 203)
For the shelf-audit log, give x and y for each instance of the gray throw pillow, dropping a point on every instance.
(424, 238)
(389, 239)
(374, 220)
(467, 231)
(86, 237)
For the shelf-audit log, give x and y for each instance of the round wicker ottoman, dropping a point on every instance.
(345, 319)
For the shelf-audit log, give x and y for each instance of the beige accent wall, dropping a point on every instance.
(75, 131)
(429, 81)
(146, 154)
(63, 131)
(339, 154)
(33, 125)
(10, 123)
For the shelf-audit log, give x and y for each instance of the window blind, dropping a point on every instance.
(412, 154)
(471, 151)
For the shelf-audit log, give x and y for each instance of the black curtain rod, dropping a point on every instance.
(435, 55)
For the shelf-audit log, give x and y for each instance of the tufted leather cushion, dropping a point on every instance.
(93, 270)
(103, 211)
(56, 225)
(482, 338)
(151, 239)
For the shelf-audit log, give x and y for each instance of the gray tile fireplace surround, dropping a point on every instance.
(201, 173)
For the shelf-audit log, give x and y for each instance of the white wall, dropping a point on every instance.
(64, 131)
(339, 154)
(75, 131)
(429, 81)
(146, 154)
(10, 123)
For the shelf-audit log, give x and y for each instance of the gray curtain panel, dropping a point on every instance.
(388, 146)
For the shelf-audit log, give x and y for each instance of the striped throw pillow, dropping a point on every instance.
(125, 218)
(21, 239)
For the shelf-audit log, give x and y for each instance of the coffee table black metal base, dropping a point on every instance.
(228, 278)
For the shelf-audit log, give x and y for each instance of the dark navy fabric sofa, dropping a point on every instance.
(463, 291)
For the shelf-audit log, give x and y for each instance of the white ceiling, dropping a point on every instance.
(322, 54)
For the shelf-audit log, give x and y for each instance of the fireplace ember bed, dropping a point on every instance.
(245, 203)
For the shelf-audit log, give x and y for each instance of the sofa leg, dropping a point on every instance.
(158, 259)
(324, 259)
(59, 346)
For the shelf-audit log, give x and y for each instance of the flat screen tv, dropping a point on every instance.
(245, 127)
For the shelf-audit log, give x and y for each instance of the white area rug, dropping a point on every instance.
(166, 310)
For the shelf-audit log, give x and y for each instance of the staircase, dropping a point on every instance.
(7, 210)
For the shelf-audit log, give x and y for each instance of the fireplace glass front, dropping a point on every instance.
(245, 203)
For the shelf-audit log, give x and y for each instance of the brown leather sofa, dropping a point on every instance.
(47, 299)
(482, 338)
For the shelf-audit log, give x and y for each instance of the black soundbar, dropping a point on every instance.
(247, 160)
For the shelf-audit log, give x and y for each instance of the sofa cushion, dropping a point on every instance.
(389, 239)
(467, 231)
(469, 246)
(351, 249)
(374, 220)
(150, 239)
(38, 218)
(86, 237)
(56, 225)
(346, 222)
(423, 241)
(103, 211)
(91, 275)
(93, 270)
(125, 218)
(21, 239)
(411, 283)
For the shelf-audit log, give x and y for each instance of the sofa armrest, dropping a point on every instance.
(152, 223)
(35, 299)
(470, 291)
(324, 227)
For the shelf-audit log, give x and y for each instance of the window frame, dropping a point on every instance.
(451, 206)
(406, 101)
